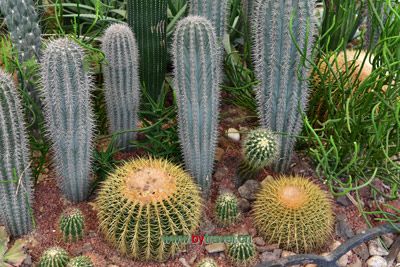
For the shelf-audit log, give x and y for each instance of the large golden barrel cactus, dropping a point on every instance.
(145, 201)
(294, 213)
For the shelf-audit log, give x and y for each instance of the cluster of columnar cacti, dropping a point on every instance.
(15, 174)
(54, 257)
(282, 93)
(148, 20)
(260, 148)
(294, 213)
(23, 25)
(144, 201)
(69, 116)
(72, 224)
(242, 251)
(80, 261)
(226, 208)
(207, 262)
(197, 75)
(215, 11)
(122, 85)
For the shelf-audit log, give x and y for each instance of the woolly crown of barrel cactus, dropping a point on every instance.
(72, 225)
(15, 174)
(67, 85)
(197, 75)
(294, 213)
(80, 261)
(242, 252)
(226, 208)
(121, 94)
(145, 201)
(207, 262)
(282, 94)
(54, 257)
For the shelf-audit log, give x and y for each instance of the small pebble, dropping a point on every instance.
(376, 261)
(357, 262)
(233, 134)
(259, 241)
(215, 247)
(376, 249)
(184, 262)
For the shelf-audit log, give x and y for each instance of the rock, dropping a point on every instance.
(219, 154)
(221, 173)
(267, 179)
(259, 241)
(207, 226)
(398, 258)
(233, 134)
(342, 261)
(268, 256)
(362, 251)
(249, 189)
(286, 253)
(376, 261)
(193, 259)
(335, 245)
(184, 262)
(112, 265)
(311, 265)
(215, 247)
(271, 247)
(244, 205)
(277, 252)
(343, 229)
(344, 201)
(388, 240)
(252, 232)
(262, 249)
(376, 249)
(356, 263)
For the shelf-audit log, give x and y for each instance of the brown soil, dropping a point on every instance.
(50, 203)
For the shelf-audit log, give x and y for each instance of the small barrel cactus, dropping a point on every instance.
(144, 201)
(54, 257)
(197, 75)
(226, 208)
(294, 213)
(259, 148)
(242, 252)
(15, 173)
(121, 93)
(207, 262)
(72, 225)
(80, 261)
(68, 110)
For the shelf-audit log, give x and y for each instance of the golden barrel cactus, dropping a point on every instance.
(294, 213)
(143, 202)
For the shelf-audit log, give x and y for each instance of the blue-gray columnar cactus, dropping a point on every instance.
(15, 173)
(282, 93)
(122, 85)
(215, 11)
(197, 75)
(248, 6)
(69, 117)
(23, 24)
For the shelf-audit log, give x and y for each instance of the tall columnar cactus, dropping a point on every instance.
(23, 24)
(197, 67)
(282, 93)
(248, 6)
(215, 11)
(15, 173)
(148, 20)
(66, 92)
(122, 85)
